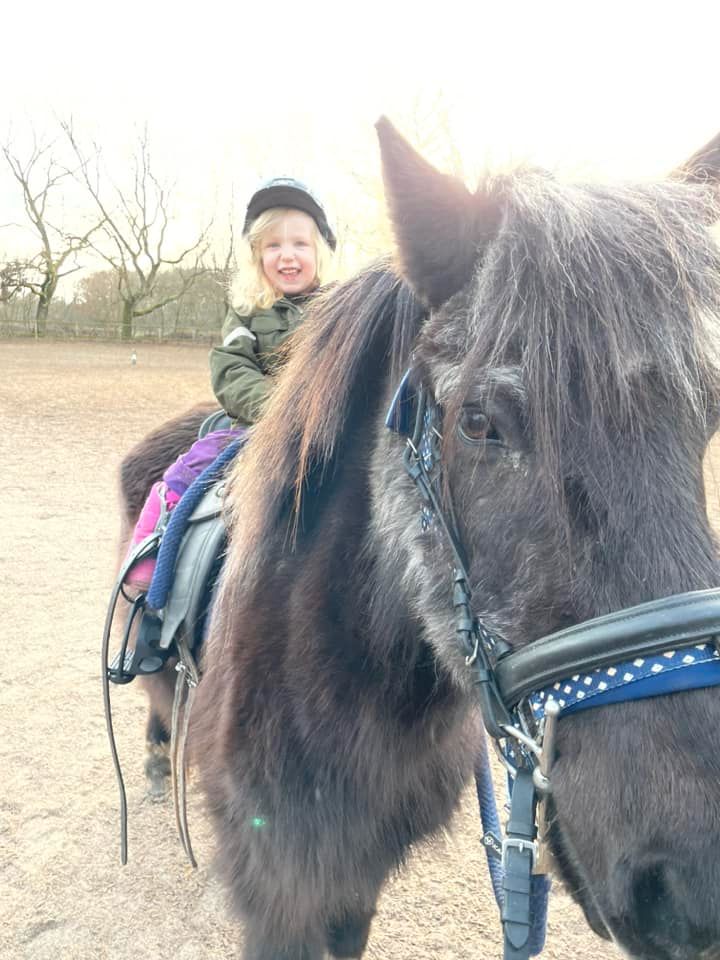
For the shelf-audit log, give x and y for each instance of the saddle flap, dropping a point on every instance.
(198, 562)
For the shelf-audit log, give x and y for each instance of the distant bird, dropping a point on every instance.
(133, 358)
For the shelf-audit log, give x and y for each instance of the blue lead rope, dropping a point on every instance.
(177, 525)
(539, 883)
(490, 820)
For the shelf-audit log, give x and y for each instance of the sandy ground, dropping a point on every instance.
(68, 413)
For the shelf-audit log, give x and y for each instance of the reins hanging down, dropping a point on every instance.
(155, 641)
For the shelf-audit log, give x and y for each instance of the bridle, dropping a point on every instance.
(655, 648)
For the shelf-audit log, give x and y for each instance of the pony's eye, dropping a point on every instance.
(476, 427)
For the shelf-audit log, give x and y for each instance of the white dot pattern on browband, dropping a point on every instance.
(581, 687)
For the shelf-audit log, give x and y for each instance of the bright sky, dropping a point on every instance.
(233, 94)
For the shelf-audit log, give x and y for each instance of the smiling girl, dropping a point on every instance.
(289, 240)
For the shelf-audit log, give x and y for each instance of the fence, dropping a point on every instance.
(187, 321)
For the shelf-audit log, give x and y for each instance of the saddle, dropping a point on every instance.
(195, 566)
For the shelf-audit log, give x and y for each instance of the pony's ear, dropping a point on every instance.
(439, 225)
(703, 166)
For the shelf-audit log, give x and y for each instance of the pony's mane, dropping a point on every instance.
(584, 288)
(356, 334)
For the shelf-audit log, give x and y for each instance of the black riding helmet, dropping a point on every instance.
(287, 192)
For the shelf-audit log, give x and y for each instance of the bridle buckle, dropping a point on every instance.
(522, 846)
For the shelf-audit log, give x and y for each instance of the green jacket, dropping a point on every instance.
(241, 369)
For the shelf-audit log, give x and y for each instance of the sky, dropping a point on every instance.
(232, 94)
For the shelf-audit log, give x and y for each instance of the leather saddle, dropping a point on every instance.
(199, 559)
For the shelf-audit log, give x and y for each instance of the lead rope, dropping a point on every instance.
(490, 820)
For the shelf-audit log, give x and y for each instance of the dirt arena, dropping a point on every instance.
(69, 411)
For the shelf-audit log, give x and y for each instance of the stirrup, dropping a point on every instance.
(147, 656)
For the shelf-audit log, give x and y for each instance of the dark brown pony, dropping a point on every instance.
(569, 334)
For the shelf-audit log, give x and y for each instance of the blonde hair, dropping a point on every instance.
(251, 290)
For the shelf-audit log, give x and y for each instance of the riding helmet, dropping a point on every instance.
(288, 192)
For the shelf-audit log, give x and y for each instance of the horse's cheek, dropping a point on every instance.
(494, 503)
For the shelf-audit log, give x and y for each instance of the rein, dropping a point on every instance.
(652, 649)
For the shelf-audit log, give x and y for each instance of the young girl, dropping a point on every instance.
(288, 238)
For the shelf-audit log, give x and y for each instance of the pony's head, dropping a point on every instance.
(572, 351)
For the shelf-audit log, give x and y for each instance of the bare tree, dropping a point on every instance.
(225, 271)
(135, 226)
(12, 279)
(39, 177)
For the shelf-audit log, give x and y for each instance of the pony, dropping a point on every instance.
(568, 333)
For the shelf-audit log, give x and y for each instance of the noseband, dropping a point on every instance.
(655, 648)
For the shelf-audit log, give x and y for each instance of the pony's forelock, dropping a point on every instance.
(586, 288)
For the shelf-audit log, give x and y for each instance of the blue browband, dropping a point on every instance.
(669, 672)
